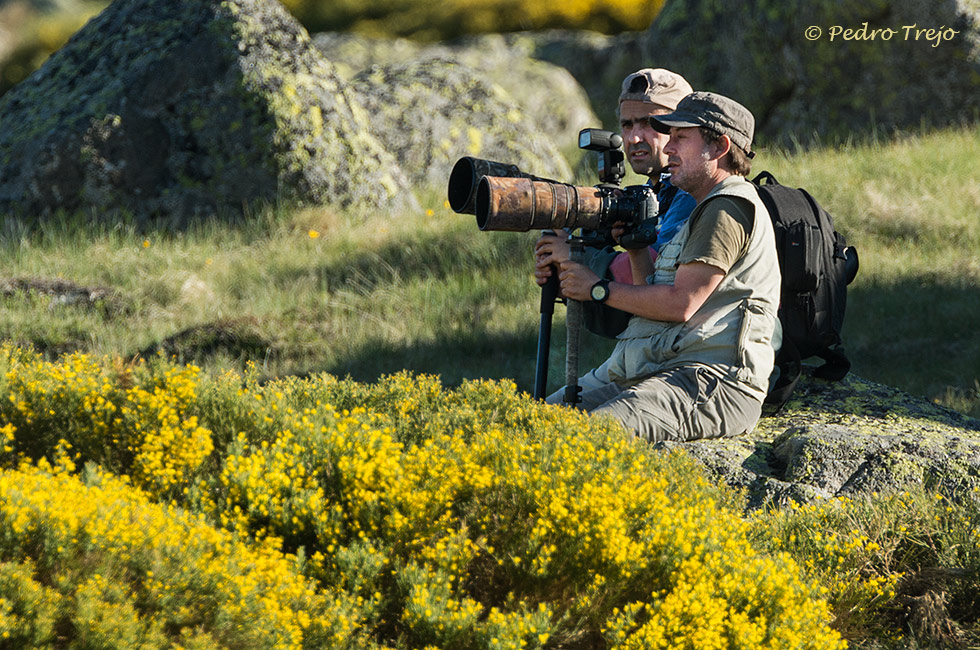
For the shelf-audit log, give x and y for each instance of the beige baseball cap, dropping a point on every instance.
(655, 86)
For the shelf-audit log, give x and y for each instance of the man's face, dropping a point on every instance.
(643, 144)
(689, 160)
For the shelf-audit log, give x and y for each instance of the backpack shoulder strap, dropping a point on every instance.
(765, 178)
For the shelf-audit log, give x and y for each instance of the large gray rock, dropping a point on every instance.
(759, 53)
(599, 62)
(352, 53)
(178, 109)
(798, 87)
(548, 97)
(432, 112)
(850, 438)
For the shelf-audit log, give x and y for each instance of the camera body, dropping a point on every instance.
(636, 207)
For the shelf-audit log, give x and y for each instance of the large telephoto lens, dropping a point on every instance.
(465, 176)
(523, 204)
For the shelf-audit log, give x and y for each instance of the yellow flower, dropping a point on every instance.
(313, 234)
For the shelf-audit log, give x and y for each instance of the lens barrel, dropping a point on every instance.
(523, 204)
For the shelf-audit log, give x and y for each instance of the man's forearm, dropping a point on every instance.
(676, 302)
(655, 302)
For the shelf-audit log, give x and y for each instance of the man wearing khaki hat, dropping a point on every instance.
(645, 94)
(695, 359)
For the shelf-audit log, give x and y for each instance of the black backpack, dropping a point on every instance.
(816, 265)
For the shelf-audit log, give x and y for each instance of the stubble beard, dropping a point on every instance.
(691, 180)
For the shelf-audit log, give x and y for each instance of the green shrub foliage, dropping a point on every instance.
(225, 512)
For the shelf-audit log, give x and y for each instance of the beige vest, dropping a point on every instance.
(735, 332)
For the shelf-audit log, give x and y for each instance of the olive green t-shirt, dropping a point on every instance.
(720, 233)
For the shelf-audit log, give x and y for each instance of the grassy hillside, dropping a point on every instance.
(311, 290)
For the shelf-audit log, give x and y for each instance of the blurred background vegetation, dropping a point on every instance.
(445, 20)
(30, 30)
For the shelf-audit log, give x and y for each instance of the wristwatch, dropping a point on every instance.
(600, 291)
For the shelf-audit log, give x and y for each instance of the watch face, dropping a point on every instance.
(600, 292)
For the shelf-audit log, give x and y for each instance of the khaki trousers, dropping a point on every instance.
(687, 403)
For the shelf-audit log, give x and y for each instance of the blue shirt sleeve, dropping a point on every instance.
(680, 209)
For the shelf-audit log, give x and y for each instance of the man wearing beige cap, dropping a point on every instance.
(695, 359)
(645, 93)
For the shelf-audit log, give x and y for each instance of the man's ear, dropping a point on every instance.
(720, 147)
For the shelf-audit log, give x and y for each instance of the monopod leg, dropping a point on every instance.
(573, 329)
(549, 294)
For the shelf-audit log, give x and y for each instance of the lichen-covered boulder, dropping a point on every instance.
(432, 112)
(185, 108)
(848, 438)
(599, 62)
(800, 84)
(801, 77)
(548, 96)
(350, 53)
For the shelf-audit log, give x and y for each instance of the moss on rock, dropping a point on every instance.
(432, 112)
(552, 103)
(847, 438)
(189, 108)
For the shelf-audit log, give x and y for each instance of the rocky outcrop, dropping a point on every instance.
(797, 86)
(180, 109)
(905, 63)
(849, 438)
(432, 112)
(599, 62)
(550, 100)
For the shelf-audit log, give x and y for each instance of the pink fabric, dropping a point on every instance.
(621, 270)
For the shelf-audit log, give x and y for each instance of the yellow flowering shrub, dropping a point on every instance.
(168, 443)
(131, 419)
(479, 514)
(28, 609)
(867, 554)
(97, 561)
(843, 556)
(471, 517)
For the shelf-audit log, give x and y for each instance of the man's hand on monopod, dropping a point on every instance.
(577, 280)
(549, 251)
